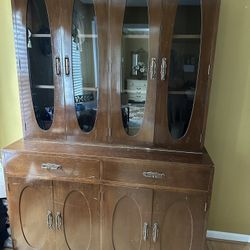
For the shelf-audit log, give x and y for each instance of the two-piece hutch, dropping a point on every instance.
(114, 98)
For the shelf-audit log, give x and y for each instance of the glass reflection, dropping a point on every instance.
(135, 44)
(185, 56)
(40, 63)
(85, 62)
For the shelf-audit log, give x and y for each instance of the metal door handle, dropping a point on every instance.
(154, 175)
(164, 67)
(145, 231)
(156, 231)
(51, 166)
(59, 221)
(153, 68)
(58, 66)
(67, 66)
(50, 220)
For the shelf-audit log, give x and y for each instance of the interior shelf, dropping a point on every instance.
(41, 35)
(187, 36)
(44, 87)
(182, 92)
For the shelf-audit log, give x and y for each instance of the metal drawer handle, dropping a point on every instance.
(153, 68)
(50, 220)
(156, 231)
(59, 221)
(58, 66)
(145, 231)
(164, 67)
(67, 66)
(51, 166)
(154, 175)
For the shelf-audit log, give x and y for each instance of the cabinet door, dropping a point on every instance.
(38, 49)
(85, 25)
(31, 213)
(77, 216)
(178, 221)
(134, 45)
(126, 218)
(187, 47)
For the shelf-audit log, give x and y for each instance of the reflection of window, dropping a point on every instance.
(77, 69)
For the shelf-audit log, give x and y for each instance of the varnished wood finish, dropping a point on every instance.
(119, 172)
(125, 211)
(72, 168)
(101, 189)
(78, 205)
(175, 175)
(30, 126)
(99, 132)
(104, 151)
(146, 133)
(181, 221)
(29, 203)
(193, 140)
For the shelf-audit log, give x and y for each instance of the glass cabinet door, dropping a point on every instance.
(38, 37)
(184, 66)
(134, 61)
(85, 63)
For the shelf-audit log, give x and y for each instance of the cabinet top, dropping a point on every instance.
(103, 151)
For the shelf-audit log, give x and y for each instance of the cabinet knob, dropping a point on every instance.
(59, 221)
(51, 166)
(145, 231)
(58, 66)
(154, 175)
(164, 67)
(50, 220)
(156, 231)
(67, 66)
(153, 69)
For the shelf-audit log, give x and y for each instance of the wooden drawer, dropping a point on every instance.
(134, 84)
(158, 174)
(47, 166)
(137, 97)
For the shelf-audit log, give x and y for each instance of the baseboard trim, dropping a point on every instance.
(216, 235)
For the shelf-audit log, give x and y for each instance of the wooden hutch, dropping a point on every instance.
(114, 98)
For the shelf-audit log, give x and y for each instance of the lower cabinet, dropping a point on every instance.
(126, 218)
(54, 215)
(141, 219)
(49, 215)
(178, 221)
(31, 213)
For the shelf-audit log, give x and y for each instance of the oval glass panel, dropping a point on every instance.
(77, 221)
(85, 63)
(127, 222)
(40, 63)
(184, 65)
(135, 48)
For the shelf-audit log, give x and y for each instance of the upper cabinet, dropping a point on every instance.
(134, 72)
(187, 47)
(85, 43)
(37, 36)
(135, 28)
(40, 63)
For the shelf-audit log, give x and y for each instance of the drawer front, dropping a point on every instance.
(47, 166)
(134, 84)
(137, 97)
(158, 174)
